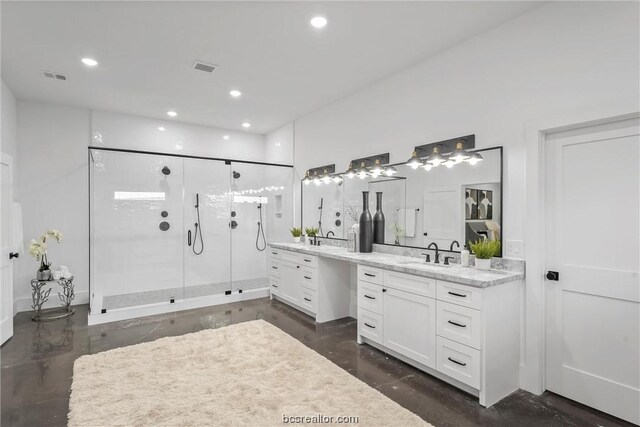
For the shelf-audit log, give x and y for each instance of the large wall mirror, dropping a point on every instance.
(443, 205)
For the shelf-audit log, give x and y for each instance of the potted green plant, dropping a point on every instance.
(38, 249)
(398, 232)
(484, 250)
(296, 233)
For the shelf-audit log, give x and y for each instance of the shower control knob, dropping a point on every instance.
(553, 275)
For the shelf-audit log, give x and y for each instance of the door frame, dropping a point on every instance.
(8, 160)
(533, 344)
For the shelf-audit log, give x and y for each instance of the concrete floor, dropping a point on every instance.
(37, 365)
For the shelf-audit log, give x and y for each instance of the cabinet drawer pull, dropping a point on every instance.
(275, 286)
(457, 295)
(274, 267)
(369, 326)
(307, 260)
(456, 362)
(307, 299)
(457, 324)
(297, 266)
(369, 296)
(274, 253)
(307, 277)
(369, 275)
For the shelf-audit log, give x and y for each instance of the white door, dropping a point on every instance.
(410, 325)
(441, 216)
(593, 310)
(6, 267)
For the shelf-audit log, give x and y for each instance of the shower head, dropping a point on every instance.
(166, 170)
(236, 175)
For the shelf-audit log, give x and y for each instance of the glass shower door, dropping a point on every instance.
(261, 209)
(136, 229)
(207, 231)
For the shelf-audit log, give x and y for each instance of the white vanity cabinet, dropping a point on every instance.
(465, 335)
(314, 286)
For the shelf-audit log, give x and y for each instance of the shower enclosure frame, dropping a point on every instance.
(173, 306)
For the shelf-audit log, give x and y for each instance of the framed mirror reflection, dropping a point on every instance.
(448, 206)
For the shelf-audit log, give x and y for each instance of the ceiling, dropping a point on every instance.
(284, 67)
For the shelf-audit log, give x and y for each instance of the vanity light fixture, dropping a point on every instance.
(307, 179)
(459, 154)
(474, 158)
(377, 169)
(316, 179)
(390, 171)
(449, 163)
(435, 158)
(427, 166)
(337, 178)
(350, 173)
(414, 162)
(362, 172)
(326, 178)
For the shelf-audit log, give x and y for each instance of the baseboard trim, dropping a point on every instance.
(24, 303)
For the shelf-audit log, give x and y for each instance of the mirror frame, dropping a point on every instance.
(500, 149)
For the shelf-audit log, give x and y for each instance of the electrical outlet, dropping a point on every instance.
(514, 249)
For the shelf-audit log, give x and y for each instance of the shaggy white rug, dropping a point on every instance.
(246, 374)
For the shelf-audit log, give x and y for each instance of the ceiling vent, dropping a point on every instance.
(54, 75)
(203, 66)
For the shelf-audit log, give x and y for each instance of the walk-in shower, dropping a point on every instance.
(169, 229)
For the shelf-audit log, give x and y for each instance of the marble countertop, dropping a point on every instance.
(404, 264)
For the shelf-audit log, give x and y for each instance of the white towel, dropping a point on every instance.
(17, 238)
(407, 220)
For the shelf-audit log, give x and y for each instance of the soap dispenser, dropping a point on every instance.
(464, 257)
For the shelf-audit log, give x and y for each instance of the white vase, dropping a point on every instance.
(483, 264)
(296, 239)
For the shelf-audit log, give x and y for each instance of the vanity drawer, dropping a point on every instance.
(275, 285)
(370, 297)
(293, 257)
(274, 253)
(308, 260)
(410, 283)
(458, 361)
(370, 274)
(370, 325)
(460, 324)
(274, 269)
(309, 300)
(309, 278)
(467, 296)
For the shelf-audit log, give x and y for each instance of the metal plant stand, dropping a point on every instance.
(39, 296)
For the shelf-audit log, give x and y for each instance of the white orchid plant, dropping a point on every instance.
(38, 247)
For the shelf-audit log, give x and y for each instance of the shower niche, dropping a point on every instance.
(169, 231)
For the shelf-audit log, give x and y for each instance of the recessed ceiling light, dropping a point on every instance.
(246, 125)
(235, 93)
(318, 21)
(89, 62)
(162, 128)
(225, 137)
(171, 113)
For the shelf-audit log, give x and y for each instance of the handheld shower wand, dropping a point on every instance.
(260, 246)
(198, 230)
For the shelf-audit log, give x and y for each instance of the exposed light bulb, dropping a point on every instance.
(414, 162)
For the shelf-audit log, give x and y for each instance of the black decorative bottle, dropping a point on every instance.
(378, 220)
(366, 225)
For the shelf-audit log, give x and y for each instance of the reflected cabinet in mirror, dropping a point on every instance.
(446, 206)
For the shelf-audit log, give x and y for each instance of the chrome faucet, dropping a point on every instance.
(437, 260)
(455, 242)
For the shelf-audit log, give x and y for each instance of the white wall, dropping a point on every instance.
(52, 180)
(559, 58)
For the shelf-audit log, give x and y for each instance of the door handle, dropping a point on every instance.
(13, 255)
(553, 275)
